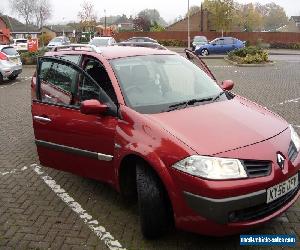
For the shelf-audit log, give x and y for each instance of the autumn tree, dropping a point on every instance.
(250, 19)
(221, 13)
(142, 24)
(153, 16)
(42, 12)
(24, 9)
(193, 10)
(274, 16)
(87, 16)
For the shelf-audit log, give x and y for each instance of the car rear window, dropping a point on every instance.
(10, 51)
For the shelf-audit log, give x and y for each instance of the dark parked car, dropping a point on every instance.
(199, 41)
(141, 39)
(219, 45)
(152, 45)
(159, 129)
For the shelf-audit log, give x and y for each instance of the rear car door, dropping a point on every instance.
(65, 138)
(228, 44)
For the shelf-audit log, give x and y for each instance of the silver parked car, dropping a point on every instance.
(58, 41)
(10, 63)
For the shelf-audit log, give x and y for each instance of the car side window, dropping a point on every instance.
(57, 82)
(228, 41)
(220, 42)
(88, 90)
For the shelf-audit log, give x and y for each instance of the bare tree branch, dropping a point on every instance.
(24, 9)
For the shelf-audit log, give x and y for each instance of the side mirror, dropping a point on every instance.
(92, 107)
(227, 85)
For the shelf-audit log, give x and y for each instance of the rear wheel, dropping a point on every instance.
(153, 203)
(1, 78)
(204, 52)
(12, 77)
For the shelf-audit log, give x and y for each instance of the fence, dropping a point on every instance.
(252, 37)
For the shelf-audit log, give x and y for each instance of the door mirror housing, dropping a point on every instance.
(227, 85)
(93, 107)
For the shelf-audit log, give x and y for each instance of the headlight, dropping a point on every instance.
(212, 167)
(295, 138)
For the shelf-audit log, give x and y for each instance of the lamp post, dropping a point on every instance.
(188, 17)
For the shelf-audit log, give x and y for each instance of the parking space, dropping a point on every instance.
(43, 208)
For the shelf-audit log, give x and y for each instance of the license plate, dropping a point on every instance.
(282, 188)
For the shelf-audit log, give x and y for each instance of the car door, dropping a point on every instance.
(228, 44)
(65, 138)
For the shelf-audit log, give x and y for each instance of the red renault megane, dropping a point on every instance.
(157, 127)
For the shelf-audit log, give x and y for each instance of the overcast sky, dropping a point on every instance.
(66, 10)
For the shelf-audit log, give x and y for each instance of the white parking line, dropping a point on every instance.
(6, 86)
(13, 171)
(93, 224)
(295, 100)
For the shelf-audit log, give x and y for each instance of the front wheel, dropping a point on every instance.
(153, 204)
(12, 77)
(204, 52)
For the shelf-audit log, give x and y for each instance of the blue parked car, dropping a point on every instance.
(220, 45)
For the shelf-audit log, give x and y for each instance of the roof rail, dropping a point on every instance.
(75, 45)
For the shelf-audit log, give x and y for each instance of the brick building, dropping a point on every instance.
(199, 21)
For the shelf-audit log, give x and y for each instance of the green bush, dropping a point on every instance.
(173, 43)
(30, 58)
(249, 55)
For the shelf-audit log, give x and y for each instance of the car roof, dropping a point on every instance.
(113, 52)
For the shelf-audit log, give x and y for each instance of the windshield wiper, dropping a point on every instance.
(219, 95)
(187, 103)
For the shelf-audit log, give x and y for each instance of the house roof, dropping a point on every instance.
(183, 19)
(296, 19)
(16, 26)
(60, 28)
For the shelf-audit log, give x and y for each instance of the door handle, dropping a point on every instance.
(41, 119)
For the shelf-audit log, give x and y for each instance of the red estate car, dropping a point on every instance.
(158, 127)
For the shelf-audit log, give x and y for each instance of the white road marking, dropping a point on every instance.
(295, 100)
(93, 224)
(3, 87)
(13, 171)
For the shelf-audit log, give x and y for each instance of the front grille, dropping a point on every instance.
(292, 152)
(260, 211)
(257, 168)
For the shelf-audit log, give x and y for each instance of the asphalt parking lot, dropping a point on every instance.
(43, 208)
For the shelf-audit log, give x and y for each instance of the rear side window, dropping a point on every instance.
(228, 41)
(57, 82)
(10, 51)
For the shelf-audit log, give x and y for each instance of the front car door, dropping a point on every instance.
(65, 138)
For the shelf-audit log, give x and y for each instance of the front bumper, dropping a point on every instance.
(249, 207)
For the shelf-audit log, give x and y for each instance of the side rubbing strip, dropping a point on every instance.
(77, 151)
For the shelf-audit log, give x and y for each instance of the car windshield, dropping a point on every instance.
(57, 40)
(99, 42)
(153, 83)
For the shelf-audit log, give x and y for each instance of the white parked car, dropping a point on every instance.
(10, 63)
(20, 44)
(102, 41)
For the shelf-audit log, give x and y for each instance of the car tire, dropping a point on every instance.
(13, 77)
(1, 78)
(152, 201)
(204, 52)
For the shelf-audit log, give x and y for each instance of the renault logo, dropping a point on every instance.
(280, 160)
